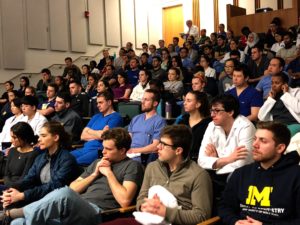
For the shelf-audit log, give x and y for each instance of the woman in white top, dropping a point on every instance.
(204, 62)
(279, 42)
(17, 117)
(139, 89)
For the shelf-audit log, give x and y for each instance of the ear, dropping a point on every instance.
(231, 113)
(198, 104)
(56, 138)
(179, 151)
(280, 148)
(123, 151)
(155, 103)
(68, 104)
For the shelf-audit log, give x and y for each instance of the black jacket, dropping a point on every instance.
(271, 196)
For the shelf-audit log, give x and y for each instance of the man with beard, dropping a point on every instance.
(266, 191)
(289, 52)
(145, 128)
(67, 116)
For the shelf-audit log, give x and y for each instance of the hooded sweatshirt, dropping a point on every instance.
(270, 196)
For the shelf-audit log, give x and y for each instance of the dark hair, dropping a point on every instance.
(242, 68)
(176, 38)
(120, 136)
(54, 86)
(17, 102)
(156, 94)
(235, 52)
(56, 128)
(201, 97)
(30, 100)
(183, 48)
(229, 103)
(87, 66)
(65, 96)
(144, 44)
(158, 84)
(77, 82)
(145, 54)
(124, 75)
(32, 89)
(26, 79)
(235, 62)
(290, 34)
(281, 61)
(157, 57)
(284, 77)
(24, 132)
(177, 71)
(148, 74)
(68, 58)
(108, 95)
(10, 83)
(206, 58)
(181, 136)
(222, 37)
(94, 76)
(281, 134)
(46, 70)
(178, 60)
(258, 47)
(93, 63)
(16, 93)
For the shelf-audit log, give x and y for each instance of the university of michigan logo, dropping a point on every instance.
(263, 197)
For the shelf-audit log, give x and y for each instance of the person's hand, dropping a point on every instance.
(211, 151)
(248, 221)
(105, 167)
(154, 206)
(102, 163)
(239, 152)
(10, 196)
(272, 94)
(253, 221)
(285, 88)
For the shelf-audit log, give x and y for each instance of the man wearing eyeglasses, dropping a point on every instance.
(189, 183)
(227, 141)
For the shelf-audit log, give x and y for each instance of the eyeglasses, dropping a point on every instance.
(163, 144)
(216, 111)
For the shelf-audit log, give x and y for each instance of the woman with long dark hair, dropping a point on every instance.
(21, 156)
(197, 117)
(55, 167)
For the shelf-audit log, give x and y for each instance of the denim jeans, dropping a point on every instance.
(61, 206)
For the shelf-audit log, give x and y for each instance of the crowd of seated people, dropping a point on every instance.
(215, 89)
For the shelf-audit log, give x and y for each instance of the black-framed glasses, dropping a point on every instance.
(216, 111)
(163, 144)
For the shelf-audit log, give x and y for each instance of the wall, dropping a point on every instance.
(249, 5)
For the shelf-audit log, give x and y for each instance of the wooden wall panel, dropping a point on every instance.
(59, 28)
(37, 24)
(112, 23)
(78, 24)
(96, 22)
(13, 39)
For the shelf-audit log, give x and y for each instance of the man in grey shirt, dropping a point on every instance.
(107, 183)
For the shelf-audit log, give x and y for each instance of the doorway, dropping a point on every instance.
(173, 24)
